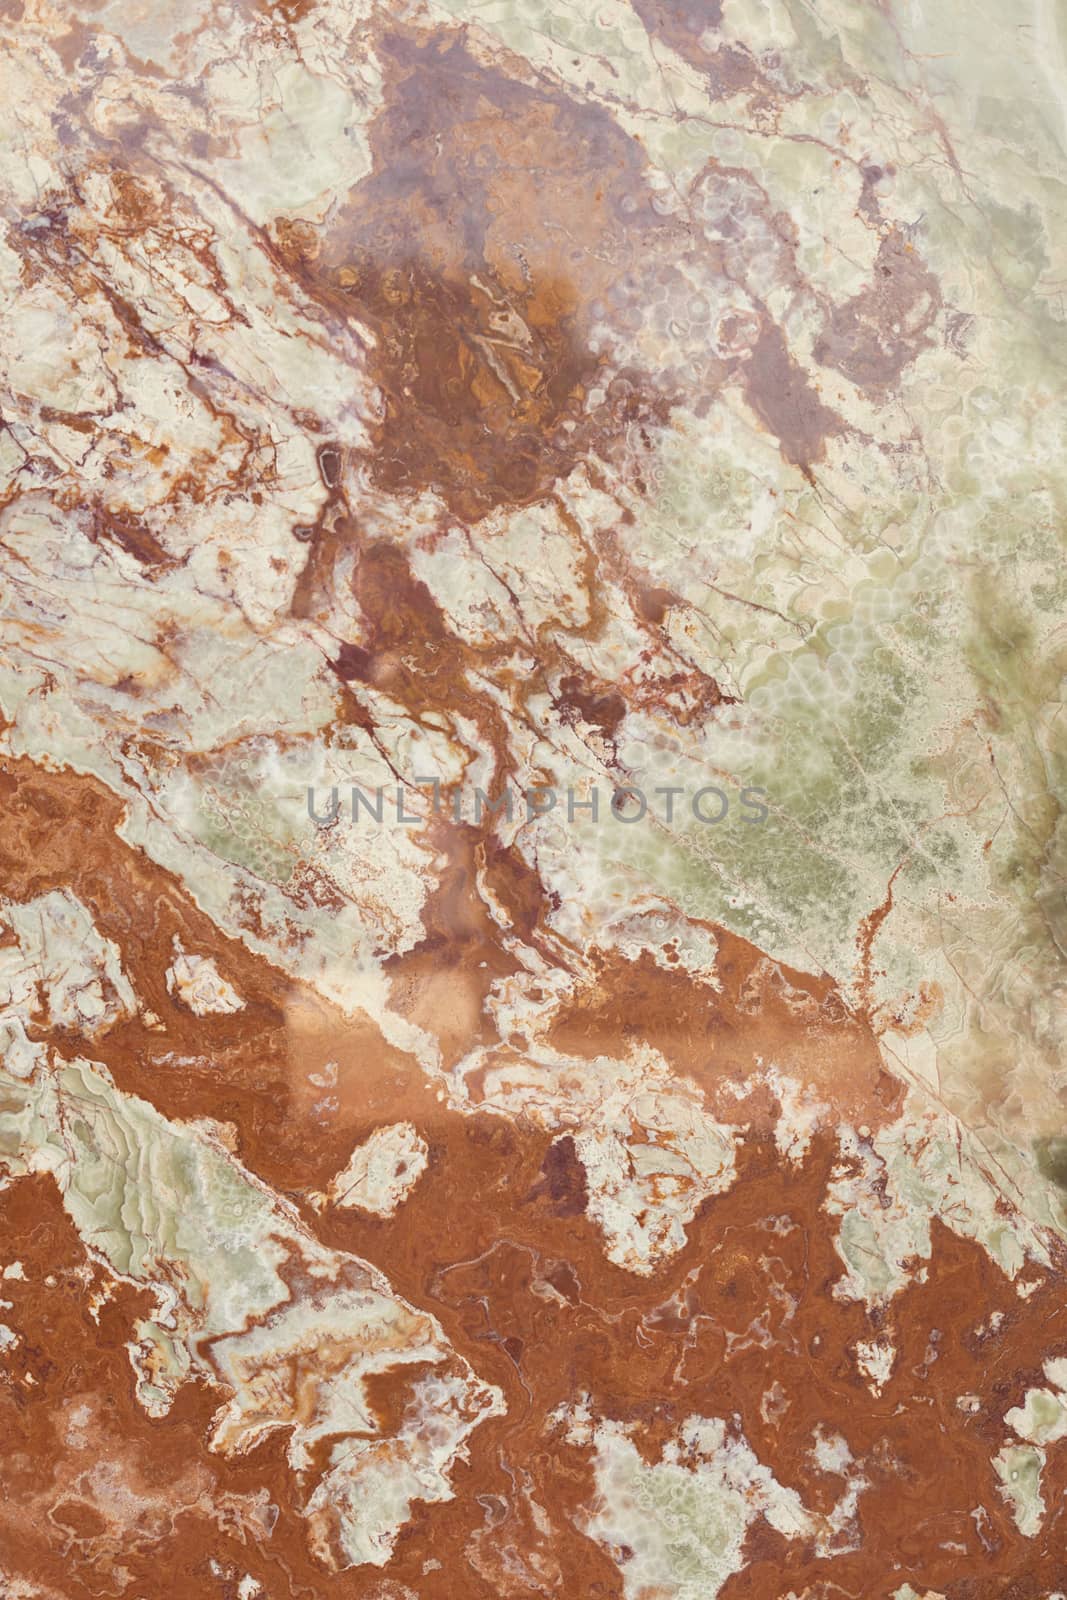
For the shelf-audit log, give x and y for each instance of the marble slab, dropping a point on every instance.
(533, 863)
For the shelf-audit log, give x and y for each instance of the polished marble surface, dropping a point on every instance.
(532, 855)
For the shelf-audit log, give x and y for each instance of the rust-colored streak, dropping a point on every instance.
(714, 1037)
(409, 651)
(474, 252)
(653, 603)
(443, 983)
(131, 536)
(467, 411)
(579, 701)
(496, 1240)
(97, 1499)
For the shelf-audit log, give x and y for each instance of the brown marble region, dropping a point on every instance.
(532, 859)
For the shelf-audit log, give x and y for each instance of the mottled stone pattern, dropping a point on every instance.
(533, 881)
